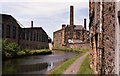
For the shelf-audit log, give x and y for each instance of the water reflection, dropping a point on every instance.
(35, 64)
(50, 66)
(10, 69)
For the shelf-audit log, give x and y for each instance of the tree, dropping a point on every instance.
(9, 49)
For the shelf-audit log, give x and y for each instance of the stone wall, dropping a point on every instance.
(102, 37)
(57, 39)
(109, 36)
(81, 45)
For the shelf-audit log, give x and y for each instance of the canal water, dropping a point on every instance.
(39, 64)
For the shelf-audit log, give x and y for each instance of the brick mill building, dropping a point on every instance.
(71, 36)
(103, 28)
(27, 38)
(119, 39)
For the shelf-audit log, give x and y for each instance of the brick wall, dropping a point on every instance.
(109, 36)
(102, 37)
(57, 38)
(12, 31)
(81, 45)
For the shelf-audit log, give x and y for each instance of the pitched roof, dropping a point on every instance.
(79, 27)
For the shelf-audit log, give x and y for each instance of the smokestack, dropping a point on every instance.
(85, 23)
(31, 24)
(63, 26)
(71, 15)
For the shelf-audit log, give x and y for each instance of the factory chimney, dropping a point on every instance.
(85, 23)
(71, 15)
(31, 24)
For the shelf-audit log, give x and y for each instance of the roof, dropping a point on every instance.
(35, 28)
(6, 17)
(58, 31)
(79, 27)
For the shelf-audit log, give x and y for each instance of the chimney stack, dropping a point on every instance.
(85, 23)
(71, 15)
(63, 26)
(31, 24)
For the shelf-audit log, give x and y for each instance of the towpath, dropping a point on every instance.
(74, 68)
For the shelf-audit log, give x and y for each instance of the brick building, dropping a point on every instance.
(27, 38)
(69, 34)
(119, 37)
(103, 55)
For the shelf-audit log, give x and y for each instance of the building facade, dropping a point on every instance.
(69, 34)
(103, 36)
(27, 38)
(119, 38)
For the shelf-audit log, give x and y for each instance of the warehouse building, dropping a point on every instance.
(27, 38)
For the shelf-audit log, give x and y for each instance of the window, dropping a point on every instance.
(78, 35)
(8, 31)
(14, 32)
(42, 38)
(27, 32)
(31, 36)
(37, 36)
(19, 33)
(2, 30)
(23, 34)
(34, 36)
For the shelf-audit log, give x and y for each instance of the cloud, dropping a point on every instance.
(39, 8)
(46, 14)
(44, 0)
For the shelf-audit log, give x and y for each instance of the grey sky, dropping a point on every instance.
(49, 15)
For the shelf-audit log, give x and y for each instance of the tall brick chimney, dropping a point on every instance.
(85, 23)
(71, 15)
(31, 24)
(63, 26)
(63, 34)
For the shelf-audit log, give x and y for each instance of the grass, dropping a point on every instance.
(70, 49)
(85, 66)
(26, 52)
(41, 52)
(67, 63)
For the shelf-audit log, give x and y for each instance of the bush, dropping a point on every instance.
(20, 53)
(40, 52)
(9, 49)
(12, 49)
(27, 51)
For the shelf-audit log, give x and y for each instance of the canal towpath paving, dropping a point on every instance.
(74, 68)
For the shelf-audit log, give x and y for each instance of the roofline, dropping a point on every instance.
(57, 31)
(19, 24)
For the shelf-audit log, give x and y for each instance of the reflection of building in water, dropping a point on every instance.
(50, 66)
(29, 68)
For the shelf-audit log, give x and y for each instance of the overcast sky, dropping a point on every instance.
(48, 14)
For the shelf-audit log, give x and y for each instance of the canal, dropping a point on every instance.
(40, 64)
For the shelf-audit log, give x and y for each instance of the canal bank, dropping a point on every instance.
(39, 64)
(65, 65)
